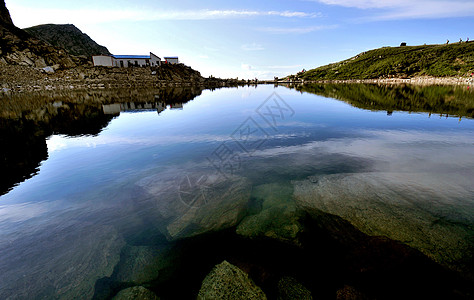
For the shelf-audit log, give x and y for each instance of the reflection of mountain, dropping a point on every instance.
(27, 120)
(20, 153)
(451, 100)
(24, 139)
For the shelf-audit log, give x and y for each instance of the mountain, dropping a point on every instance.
(17, 47)
(5, 14)
(69, 37)
(409, 61)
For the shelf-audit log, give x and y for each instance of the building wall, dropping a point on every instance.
(109, 61)
(172, 60)
(102, 60)
(155, 61)
(130, 62)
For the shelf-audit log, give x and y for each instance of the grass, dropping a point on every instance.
(403, 62)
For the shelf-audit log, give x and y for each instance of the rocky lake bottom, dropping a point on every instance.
(327, 191)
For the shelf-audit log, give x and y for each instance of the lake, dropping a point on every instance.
(348, 189)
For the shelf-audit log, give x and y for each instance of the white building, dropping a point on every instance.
(103, 60)
(125, 61)
(171, 60)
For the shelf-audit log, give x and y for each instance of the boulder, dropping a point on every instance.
(401, 206)
(280, 223)
(136, 293)
(69, 261)
(289, 288)
(350, 293)
(136, 265)
(48, 70)
(227, 281)
(279, 217)
(195, 202)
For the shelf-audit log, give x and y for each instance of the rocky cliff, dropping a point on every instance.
(17, 47)
(69, 37)
(4, 14)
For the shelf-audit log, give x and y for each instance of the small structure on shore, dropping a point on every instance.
(126, 61)
(403, 44)
(171, 60)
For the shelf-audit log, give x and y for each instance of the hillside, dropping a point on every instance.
(69, 37)
(17, 47)
(410, 61)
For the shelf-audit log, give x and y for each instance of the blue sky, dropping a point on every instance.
(249, 39)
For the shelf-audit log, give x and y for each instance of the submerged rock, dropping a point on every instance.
(136, 293)
(350, 293)
(227, 281)
(63, 264)
(136, 264)
(196, 202)
(289, 288)
(280, 223)
(278, 219)
(402, 207)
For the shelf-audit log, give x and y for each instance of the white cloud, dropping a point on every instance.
(252, 47)
(26, 16)
(410, 9)
(296, 30)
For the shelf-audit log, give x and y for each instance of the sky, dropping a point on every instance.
(254, 39)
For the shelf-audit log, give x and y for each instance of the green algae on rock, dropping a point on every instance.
(136, 293)
(227, 281)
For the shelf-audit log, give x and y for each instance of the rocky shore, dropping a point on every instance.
(26, 78)
(413, 81)
(419, 81)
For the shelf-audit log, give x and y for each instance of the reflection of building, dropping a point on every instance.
(176, 106)
(171, 60)
(161, 107)
(125, 61)
(112, 109)
(116, 108)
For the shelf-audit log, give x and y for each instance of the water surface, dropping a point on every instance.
(99, 187)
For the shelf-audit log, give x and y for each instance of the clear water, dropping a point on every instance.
(64, 229)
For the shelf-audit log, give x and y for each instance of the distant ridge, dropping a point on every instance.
(69, 37)
(455, 59)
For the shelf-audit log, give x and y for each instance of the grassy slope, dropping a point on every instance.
(429, 60)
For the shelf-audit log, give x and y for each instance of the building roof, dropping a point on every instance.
(131, 56)
(174, 57)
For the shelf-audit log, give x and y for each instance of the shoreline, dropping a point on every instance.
(16, 78)
(422, 81)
